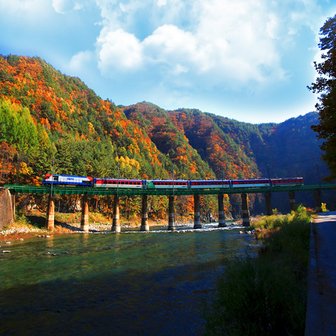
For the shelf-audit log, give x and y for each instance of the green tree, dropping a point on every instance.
(42, 156)
(17, 126)
(325, 86)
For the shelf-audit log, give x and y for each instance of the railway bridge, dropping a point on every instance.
(171, 193)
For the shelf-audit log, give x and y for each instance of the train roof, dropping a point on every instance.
(66, 175)
(116, 179)
(158, 180)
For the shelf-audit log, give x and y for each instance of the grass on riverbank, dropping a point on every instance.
(266, 295)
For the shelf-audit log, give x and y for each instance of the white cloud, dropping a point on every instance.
(63, 6)
(80, 61)
(214, 42)
(118, 50)
(27, 8)
(169, 44)
(239, 40)
(161, 3)
(226, 39)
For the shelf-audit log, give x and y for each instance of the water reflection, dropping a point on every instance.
(126, 284)
(50, 241)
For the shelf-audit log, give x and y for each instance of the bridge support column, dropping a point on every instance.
(51, 214)
(268, 203)
(144, 214)
(318, 199)
(245, 211)
(6, 208)
(221, 213)
(197, 212)
(292, 204)
(116, 215)
(171, 214)
(13, 204)
(85, 214)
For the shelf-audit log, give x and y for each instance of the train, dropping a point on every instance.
(87, 181)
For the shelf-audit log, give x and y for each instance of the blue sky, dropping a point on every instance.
(249, 60)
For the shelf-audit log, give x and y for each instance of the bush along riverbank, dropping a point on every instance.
(266, 295)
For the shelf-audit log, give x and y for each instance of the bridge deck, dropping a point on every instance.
(30, 189)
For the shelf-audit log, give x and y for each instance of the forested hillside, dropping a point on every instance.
(240, 150)
(50, 122)
(55, 122)
(235, 149)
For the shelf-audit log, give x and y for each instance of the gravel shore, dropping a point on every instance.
(19, 231)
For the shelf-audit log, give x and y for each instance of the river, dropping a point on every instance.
(157, 283)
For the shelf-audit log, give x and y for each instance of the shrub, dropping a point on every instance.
(266, 295)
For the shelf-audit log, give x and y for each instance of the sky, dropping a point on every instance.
(249, 60)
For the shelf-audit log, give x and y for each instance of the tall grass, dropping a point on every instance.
(266, 295)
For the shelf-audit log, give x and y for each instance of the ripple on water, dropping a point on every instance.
(126, 284)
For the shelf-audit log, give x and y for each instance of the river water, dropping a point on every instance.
(157, 283)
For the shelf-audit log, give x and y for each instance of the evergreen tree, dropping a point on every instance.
(325, 86)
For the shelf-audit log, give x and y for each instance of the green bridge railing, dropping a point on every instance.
(62, 190)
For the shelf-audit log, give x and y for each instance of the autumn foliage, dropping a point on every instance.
(50, 122)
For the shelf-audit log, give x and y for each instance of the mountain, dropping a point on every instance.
(290, 148)
(241, 150)
(53, 122)
(83, 133)
(170, 140)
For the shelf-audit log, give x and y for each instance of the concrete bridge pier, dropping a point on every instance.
(268, 203)
(85, 214)
(292, 204)
(51, 213)
(6, 208)
(197, 212)
(221, 213)
(13, 204)
(171, 214)
(116, 215)
(144, 214)
(318, 199)
(245, 211)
